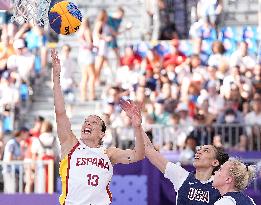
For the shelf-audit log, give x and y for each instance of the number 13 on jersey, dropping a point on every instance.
(93, 180)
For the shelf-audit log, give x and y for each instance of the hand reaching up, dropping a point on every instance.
(55, 62)
(133, 111)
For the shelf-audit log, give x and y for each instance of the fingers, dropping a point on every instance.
(136, 108)
(54, 51)
(124, 104)
(54, 55)
(127, 103)
(140, 105)
(130, 105)
(137, 115)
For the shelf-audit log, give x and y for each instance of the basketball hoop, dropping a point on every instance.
(36, 11)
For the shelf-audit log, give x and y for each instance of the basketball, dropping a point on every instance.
(65, 18)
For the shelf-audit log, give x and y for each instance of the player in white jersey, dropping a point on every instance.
(86, 167)
(231, 180)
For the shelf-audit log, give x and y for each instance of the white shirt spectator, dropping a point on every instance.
(207, 7)
(241, 57)
(185, 122)
(46, 144)
(216, 104)
(12, 148)
(67, 71)
(12, 152)
(108, 138)
(186, 156)
(126, 133)
(253, 118)
(175, 134)
(8, 94)
(216, 59)
(127, 77)
(150, 6)
(237, 59)
(23, 64)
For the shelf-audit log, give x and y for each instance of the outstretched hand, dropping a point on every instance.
(133, 111)
(55, 62)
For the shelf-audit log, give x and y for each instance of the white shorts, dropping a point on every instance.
(102, 48)
(86, 57)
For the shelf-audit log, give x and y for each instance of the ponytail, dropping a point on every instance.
(242, 174)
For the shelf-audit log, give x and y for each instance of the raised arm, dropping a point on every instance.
(154, 156)
(175, 173)
(65, 134)
(129, 156)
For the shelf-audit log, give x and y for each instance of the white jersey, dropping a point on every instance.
(86, 173)
(235, 198)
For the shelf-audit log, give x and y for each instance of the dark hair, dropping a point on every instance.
(39, 118)
(193, 56)
(17, 133)
(190, 137)
(102, 124)
(47, 127)
(220, 47)
(121, 9)
(221, 156)
(103, 129)
(175, 116)
(230, 111)
(199, 117)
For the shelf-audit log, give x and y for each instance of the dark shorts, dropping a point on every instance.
(113, 43)
(5, 17)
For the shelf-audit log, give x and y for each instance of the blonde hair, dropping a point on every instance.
(242, 174)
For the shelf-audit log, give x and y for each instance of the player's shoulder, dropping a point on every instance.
(111, 150)
(228, 200)
(252, 200)
(69, 146)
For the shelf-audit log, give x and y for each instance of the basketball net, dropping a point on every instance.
(27, 11)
